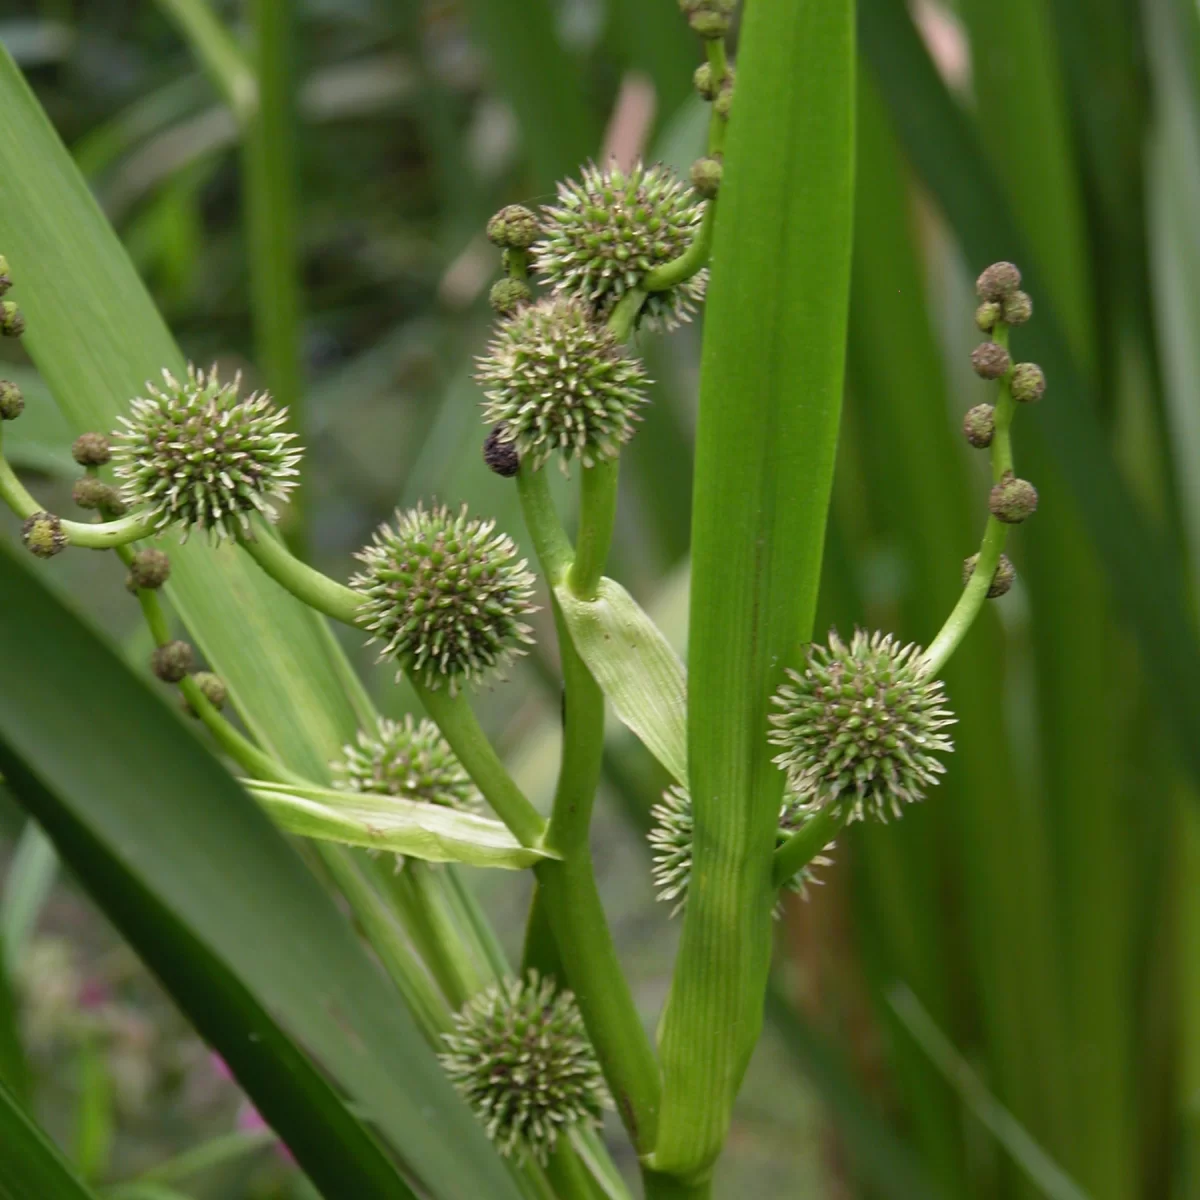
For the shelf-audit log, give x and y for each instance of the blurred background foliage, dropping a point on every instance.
(998, 996)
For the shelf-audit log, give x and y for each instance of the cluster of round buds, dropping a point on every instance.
(558, 381)
(197, 453)
(673, 833)
(1012, 499)
(721, 94)
(1002, 579)
(858, 729)
(410, 760)
(42, 535)
(706, 175)
(148, 569)
(520, 1057)
(12, 403)
(513, 228)
(709, 18)
(610, 229)
(12, 322)
(5, 277)
(172, 661)
(212, 688)
(445, 595)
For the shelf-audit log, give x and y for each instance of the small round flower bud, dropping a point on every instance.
(610, 229)
(979, 425)
(560, 381)
(997, 281)
(986, 316)
(860, 726)
(212, 688)
(501, 456)
(1012, 500)
(703, 81)
(1002, 580)
(148, 569)
(43, 535)
(723, 104)
(514, 228)
(12, 323)
(12, 403)
(445, 595)
(172, 661)
(520, 1057)
(91, 450)
(196, 453)
(1017, 308)
(92, 493)
(708, 18)
(507, 295)
(1028, 384)
(990, 360)
(114, 505)
(409, 759)
(5, 277)
(706, 176)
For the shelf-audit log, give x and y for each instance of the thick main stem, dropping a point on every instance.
(318, 591)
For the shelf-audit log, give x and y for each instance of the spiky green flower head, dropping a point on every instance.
(445, 595)
(407, 759)
(610, 228)
(671, 839)
(859, 728)
(556, 380)
(520, 1057)
(197, 453)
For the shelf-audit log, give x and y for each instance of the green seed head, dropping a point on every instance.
(513, 228)
(499, 455)
(1028, 383)
(521, 1059)
(12, 403)
(1012, 500)
(148, 569)
(979, 426)
(91, 450)
(986, 316)
(197, 453)
(706, 176)
(1017, 308)
(612, 227)
(558, 381)
(410, 760)
(990, 360)
(671, 847)
(1002, 580)
(12, 323)
(859, 728)
(445, 595)
(172, 662)
(43, 535)
(507, 295)
(92, 493)
(998, 281)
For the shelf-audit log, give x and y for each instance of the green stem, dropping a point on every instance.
(459, 726)
(318, 591)
(220, 56)
(995, 535)
(719, 62)
(597, 515)
(807, 842)
(670, 1187)
(624, 316)
(553, 550)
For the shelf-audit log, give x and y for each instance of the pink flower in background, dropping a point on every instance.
(249, 1119)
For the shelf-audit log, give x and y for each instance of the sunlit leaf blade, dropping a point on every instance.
(32, 1165)
(208, 892)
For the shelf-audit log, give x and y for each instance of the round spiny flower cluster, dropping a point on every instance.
(196, 453)
(557, 380)
(860, 727)
(521, 1059)
(445, 595)
(671, 841)
(410, 760)
(613, 227)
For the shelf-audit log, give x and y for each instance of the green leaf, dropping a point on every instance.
(212, 897)
(95, 1123)
(770, 399)
(636, 668)
(431, 832)
(33, 1167)
(30, 878)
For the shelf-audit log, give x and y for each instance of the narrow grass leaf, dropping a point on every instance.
(33, 1165)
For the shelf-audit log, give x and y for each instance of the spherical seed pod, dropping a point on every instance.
(997, 281)
(172, 661)
(1028, 383)
(520, 1057)
(5, 277)
(1012, 500)
(559, 381)
(513, 228)
(12, 403)
(409, 759)
(92, 493)
(501, 456)
(986, 316)
(42, 535)
(445, 595)
(212, 688)
(91, 450)
(979, 426)
(148, 569)
(1002, 581)
(859, 728)
(507, 295)
(990, 360)
(706, 176)
(12, 323)
(1017, 308)
(610, 229)
(196, 453)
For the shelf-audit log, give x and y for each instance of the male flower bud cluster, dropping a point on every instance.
(212, 688)
(92, 493)
(42, 535)
(513, 228)
(172, 661)
(5, 277)
(859, 727)
(1002, 581)
(507, 295)
(12, 403)
(148, 569)
(445, 595)
(706, 175)
(1012, 500)
(407, 759)
(520, 1057)
(12, 322)
(91, 450)
(709, 18)
(196, 453)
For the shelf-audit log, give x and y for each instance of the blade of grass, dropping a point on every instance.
(30, 878)
(32, 1164)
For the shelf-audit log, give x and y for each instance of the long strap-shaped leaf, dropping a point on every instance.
(210, 895)
(30, 1164)
(770, 399)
